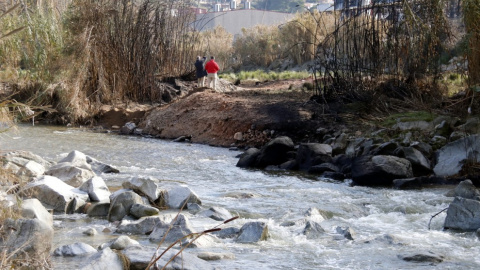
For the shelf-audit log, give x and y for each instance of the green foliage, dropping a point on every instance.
(260, 75)
(407, 117)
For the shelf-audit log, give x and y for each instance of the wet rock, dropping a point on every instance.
(99, 167)
(141, 210)
(313, 230)
(380, 170)
(119, 243)
(143, 226)
(387, 149)
(76, 249)
(180, 228)
(214, 256)
(97, 189)
(179, 195)
(103, 259)
(230, 232)
(346, 232)
(452, 157)
(121, 204)
(217, 213)
(248, 158)
(334, 175)
(53, 193)
(128, 128)
(253, 232)
(90, 232)
(275, 152)
(310, 154)
(463, 214)
(422, 258)
(315, 215)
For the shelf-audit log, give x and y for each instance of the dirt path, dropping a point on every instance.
(257, 112)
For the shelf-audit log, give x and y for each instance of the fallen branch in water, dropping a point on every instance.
(435, 216)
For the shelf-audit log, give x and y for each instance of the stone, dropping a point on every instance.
(215, 256)
(119, 243)
(310, 154)
(253, 232)
(230, 232)
(467, 190)
(275, 152)
(463, 214)
(249, 158)
(451, 158)
(75, 249)
(53, 193)
(121, 204)
(90, 232)
(313, 230)
(103, 259)
(70, 173)
(408, 183)
(380, 170)
(27, 238)
(33, 208)
(147, 186)
(97, 189)
(180, 228)
(99, 167)
(144, 225)
(422, 257)
(420, 164)
(98, 209)
(179, 195)
(128, 128)
(346, 232)
(217, 213)
(141, 210)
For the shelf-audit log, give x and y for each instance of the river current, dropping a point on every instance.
(388, 223)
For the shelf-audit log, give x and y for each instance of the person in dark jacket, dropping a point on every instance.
(212, 68)
(201, 73)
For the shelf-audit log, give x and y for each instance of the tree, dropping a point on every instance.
(280, 5)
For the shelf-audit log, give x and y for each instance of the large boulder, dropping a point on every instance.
(146, 186)
(253, 232)
(310, 154)
(452, 157)
(217, 213)
(25, 165)
(248, 158)
(121, 203)
(177, 196)
(26, 238)
(463, 214)
(73, 169)
(97, 189)
(420, 164)
(23, 157)
(275, 152)
(380, 170)
(53, 193)
(313, 230)
(33, 208)
(467, 190)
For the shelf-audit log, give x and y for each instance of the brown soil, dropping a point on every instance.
(258, 111)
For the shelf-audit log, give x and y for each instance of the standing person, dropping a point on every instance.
(200, 71)
(212, 68)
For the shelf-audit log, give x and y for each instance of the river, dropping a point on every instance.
(387, 223)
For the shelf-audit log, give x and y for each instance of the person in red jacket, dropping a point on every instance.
(212, 68)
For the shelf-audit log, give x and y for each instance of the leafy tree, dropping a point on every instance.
(280, 5)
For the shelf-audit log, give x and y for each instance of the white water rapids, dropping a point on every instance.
(387, 223)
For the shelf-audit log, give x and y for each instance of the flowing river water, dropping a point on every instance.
(388, 223)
